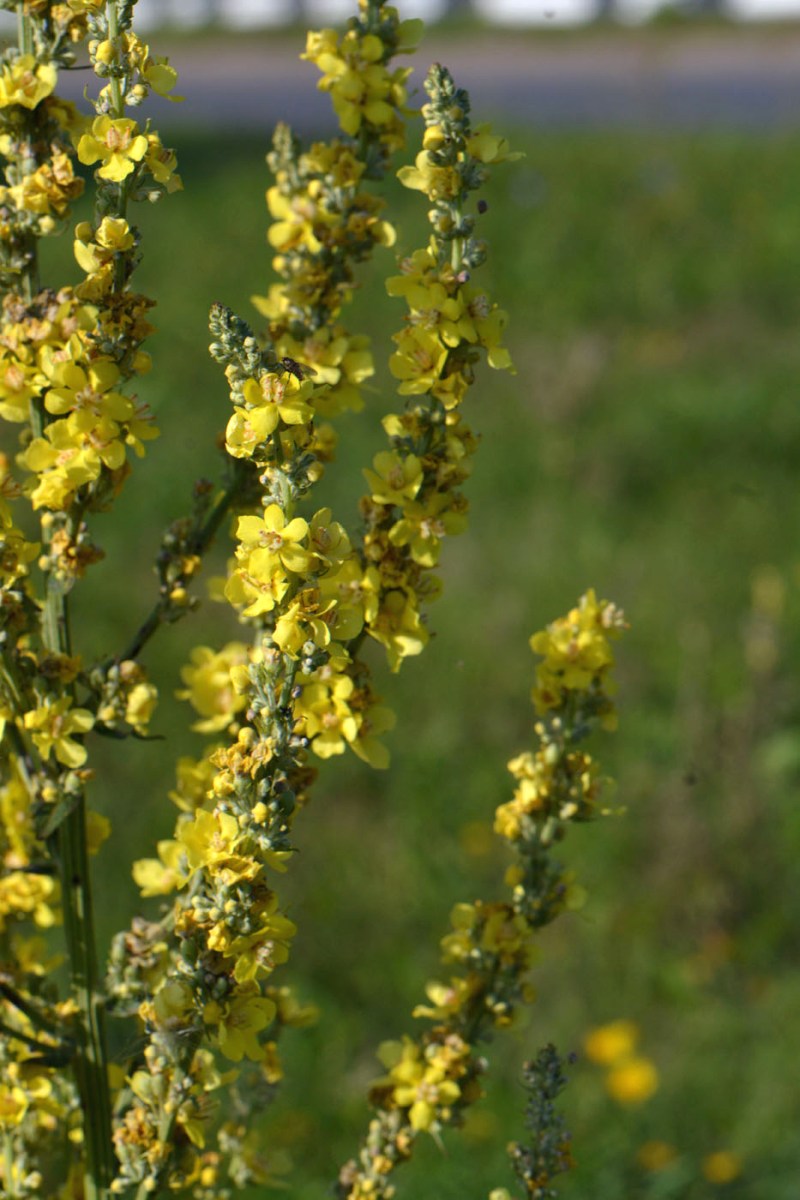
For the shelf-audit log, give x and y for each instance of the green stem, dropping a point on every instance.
(197, 543)
(24, 29)
(91, 1058)
(68, 846)
(113, 35)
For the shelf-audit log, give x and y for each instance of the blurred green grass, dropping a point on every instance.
(648, 447)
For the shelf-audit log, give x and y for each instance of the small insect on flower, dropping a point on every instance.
(300, 370)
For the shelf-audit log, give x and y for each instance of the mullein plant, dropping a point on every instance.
(194, 981)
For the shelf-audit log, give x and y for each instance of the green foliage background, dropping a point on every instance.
(648, 447)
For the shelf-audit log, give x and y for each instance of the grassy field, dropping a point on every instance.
(648, 446)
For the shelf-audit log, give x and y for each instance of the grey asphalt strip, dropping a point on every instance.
(741, 81)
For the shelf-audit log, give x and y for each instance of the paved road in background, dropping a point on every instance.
(635, 79)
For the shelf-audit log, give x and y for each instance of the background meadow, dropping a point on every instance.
(648, 447)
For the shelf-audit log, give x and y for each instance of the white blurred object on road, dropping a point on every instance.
(340, 10)
(553, 13)
(761, 10)
(632, 12)
(254, 14)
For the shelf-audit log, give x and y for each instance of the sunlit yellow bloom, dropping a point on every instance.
(162, 162)
(24, 894)
(421, 1080)
(19, 382)
(490, 147)
(193, 782)
(447, 999)
(374, 720)
(94, 248)
(162, 875)
(422, 527)
(209, 685)
(278, 539)
(418, 361)
(116, 143)
(53, 725)
(575, 649)
(238, 1022)
(89, 390)
(26, 82)
(208, 838)
(328, 719)
(14, 1103)
(398, 626)
(259, 584)
(395, 478)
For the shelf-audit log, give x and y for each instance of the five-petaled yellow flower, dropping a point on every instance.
(116, 143)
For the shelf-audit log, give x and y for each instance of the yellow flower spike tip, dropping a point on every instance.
(576, 650)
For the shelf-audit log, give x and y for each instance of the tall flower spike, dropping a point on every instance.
(433, 1078)
(67, 358)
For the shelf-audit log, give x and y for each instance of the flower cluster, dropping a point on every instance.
(414, 499)
(433, 1078)
(324, 220)
(201, 977)
(68, 359)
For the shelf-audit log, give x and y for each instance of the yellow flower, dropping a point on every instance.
(398, 626)
(209, 839)
(209, 686)
(115, 143)
(328, 719)
(93, 249)
(438, 183)
(608, 1044)
(52, 725)
(632, 1081)
(193, 782)
(98, 830)
(418, 361)
(576, 650)
(422, 1081)
(394, 478)
(14, 1103)
(374, 720)
(723, 1166)
(423, 526)
(26, 82)
(21, 893)
(490, 147)
(239, 1021)
(90, 390)
(277, 539)
(162, 875)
